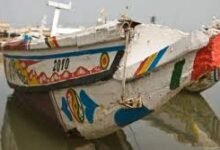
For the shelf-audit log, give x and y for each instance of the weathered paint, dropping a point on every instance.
(94, 109)
(104, 33)
(51, 42)
(104, 114)
(206, 65)
(144, 56)
(207, 58)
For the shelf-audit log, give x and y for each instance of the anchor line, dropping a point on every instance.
(127, 40)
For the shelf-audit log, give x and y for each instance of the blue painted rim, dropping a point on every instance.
(70, 54)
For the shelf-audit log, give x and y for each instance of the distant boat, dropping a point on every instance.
(102, 78)
(4, 32)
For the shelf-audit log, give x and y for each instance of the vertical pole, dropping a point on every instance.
(55, 22)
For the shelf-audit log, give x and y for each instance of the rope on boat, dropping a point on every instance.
(127, 28)
(135, 102)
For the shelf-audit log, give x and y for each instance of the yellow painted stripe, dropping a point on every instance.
(147, 64)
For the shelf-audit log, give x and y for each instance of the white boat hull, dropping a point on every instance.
(105, 79)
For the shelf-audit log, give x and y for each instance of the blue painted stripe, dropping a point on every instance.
(65, 109)
(157, 59)
(70, 54)
(90, 106)
(126, 116)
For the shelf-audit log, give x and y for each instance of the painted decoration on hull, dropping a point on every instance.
(74, 104)
(125, 116)
(150, 62)
(23, 42)
(177, 73)
(207, 59)
(86, 111)
(43, 70)
(104, 60)
(213, 76)
(206, 65)
(52, 42)
(90, 106)
(205, 82)
(66, 109)
(216, 75)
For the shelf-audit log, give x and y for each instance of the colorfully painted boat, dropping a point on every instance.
(102, 78)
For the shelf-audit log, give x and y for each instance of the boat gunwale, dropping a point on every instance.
(103, 76)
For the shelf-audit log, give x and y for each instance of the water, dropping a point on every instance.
(4, 92)
(187, 122)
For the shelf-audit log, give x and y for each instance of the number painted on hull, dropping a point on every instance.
(61, 64)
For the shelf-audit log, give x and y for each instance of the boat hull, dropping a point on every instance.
(100, 88)
(47, 70)
(96, 110)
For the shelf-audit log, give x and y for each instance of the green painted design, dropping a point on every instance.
(177, 72)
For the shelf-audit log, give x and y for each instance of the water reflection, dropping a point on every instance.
(188, 117)
(191, 119)
(24, 131)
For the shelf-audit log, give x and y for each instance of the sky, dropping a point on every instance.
(186, 15)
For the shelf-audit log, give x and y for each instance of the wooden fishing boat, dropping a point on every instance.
(102, 78)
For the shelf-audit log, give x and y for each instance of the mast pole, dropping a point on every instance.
(58, 7)
(55, 22)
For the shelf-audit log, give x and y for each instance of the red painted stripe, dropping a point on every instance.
(140, 67)
(55, 41)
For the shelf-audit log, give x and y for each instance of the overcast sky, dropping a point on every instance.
(183, 14)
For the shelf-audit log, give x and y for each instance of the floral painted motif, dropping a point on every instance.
(75, 105)
(20, 68)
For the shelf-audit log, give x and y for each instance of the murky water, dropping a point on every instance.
(187, 122)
